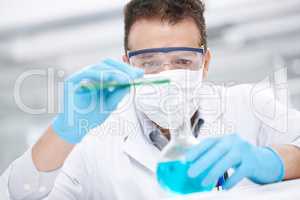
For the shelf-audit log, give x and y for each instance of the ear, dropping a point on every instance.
(207, 59)
(125, 59)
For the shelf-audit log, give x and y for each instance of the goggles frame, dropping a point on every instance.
(131, 54)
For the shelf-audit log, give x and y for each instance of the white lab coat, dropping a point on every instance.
(116, 161)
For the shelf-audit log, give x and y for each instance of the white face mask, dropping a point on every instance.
(169, 105)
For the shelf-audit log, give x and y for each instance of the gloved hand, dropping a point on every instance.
(215, 156)
(86, 109)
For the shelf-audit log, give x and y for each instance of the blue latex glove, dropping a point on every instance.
(215, 156)
(86, 109)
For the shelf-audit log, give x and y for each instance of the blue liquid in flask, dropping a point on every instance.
(173, 176)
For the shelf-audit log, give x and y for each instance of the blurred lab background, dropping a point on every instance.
(249, 39)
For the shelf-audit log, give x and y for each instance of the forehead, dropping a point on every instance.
(155, 33)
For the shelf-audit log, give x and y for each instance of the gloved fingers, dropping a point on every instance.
(220, 167)
(105, 75)
(129, 70)
(113, 99)
(235, 178)
(198, 150)
(118, 73)
(93, 78)
(89, 74)
(214, 154)
(120, 77)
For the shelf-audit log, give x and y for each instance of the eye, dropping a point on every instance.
(183, 61)
(148, 64)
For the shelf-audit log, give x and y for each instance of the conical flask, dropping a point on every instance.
(172, 168)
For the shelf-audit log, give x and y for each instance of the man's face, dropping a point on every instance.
(153, 33)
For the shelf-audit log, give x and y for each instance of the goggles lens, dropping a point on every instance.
(157, 60)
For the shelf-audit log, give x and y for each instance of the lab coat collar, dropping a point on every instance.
(137, 147)
(147, 125)
(212, 102)
(135, 144)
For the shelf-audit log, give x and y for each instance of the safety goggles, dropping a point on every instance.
(160, 59)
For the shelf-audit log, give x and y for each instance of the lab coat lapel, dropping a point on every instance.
(135, 143)
(211, 109)
(139, 149)
(137, 146)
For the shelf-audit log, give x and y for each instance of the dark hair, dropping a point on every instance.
(172, 11)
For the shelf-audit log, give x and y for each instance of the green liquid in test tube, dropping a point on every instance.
(91, 85)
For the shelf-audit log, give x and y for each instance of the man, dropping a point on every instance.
(117, 159)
